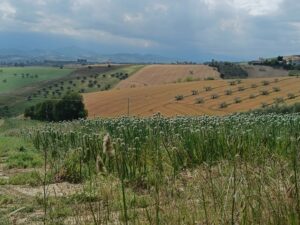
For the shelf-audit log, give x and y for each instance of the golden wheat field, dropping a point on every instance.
(165, 74)
(146, 101)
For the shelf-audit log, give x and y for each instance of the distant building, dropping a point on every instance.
(293, 59)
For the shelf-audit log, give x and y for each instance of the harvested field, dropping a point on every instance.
(249, 94)
(165, 74)
(264, 71)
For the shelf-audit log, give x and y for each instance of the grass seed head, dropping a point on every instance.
(107, 146)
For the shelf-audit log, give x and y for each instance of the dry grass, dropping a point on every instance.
(149, 100)
(164, 74)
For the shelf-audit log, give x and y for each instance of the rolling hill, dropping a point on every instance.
(165, 74)
(146, 101)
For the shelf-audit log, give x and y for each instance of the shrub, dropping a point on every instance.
(253, 85)
(241, 88)
(199, 100)
(291, 96)
(223, 105)
(208, 88)
(232, 83)
(237, 100)
(264, 92)
(228, 92)
(209, 78)
(276, 80)
(195, 92)
(278, 100)
(264, 105)
(179, 97)
(265, 83)
(238, 81)
(276, 89)
(214, 96)
(252, 96)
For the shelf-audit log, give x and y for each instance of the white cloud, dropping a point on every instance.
(133, 18)
(7, 11)
(257, 7)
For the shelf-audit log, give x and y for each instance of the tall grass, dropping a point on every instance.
(238, 169)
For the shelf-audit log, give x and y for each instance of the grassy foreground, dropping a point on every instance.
(240, 169)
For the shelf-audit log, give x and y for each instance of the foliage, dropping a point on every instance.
(229, 70)
(70, 107)
(279, 109)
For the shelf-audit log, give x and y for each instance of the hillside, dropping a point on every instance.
(257, 71)
(146, 101)
(23, 87)
(164, 74)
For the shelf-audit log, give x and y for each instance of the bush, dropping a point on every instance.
(278, 100)
(276, 89)
(232, 83)
(208, 88)
(195, 92)
(253, 85)
(223, 105)
(252, 96)
(237, 100)
(280, 109)
(264, 105)
(179, 97)
(291, 96)
(214, 96)
(264, 92)
(241, 88)
(265, 83)
(199, 100)
(228, 92)
(69, 108)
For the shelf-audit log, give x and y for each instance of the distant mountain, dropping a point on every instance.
(73, 53)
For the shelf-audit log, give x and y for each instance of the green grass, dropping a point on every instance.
(52, 84)
(294, 73)
(16, 81)
(241, 169)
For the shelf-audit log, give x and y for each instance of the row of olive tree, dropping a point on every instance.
(70, 107)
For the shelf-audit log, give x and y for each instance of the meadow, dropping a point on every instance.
(23, 87)
(237, 169)
(12, 78)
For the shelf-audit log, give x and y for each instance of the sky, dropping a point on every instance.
(191, 29)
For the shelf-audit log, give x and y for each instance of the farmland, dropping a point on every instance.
(235, 95)
(165, 74)
(258, 71)
(22, 87)
(206, 166)
(12, 78)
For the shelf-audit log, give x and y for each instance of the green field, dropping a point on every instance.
(238, 169)
(20, 87)
(12, 78)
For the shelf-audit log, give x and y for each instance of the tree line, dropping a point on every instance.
(70, 107)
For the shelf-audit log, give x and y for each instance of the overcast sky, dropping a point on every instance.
(197, 29)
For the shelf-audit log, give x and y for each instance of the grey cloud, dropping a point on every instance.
(196, 27)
